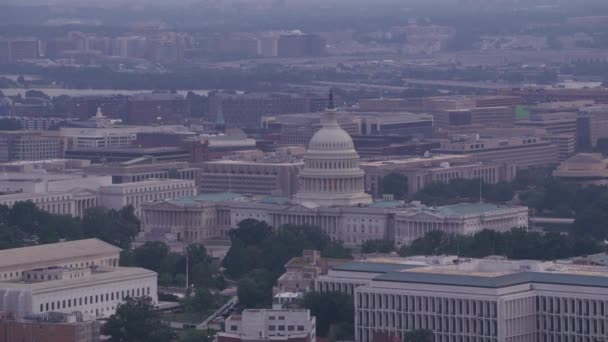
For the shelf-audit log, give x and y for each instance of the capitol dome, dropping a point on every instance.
(331, 174)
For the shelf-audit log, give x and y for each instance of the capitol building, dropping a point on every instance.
(331, 195)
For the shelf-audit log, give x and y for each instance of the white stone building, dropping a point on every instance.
(331, 196)
(269, 325)
(487, 300)
(69, 276)
(117, 196)
(74, 202)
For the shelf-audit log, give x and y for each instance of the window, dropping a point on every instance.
(271, 318)
(281, 318)
(300, 328)
(271, 327)
(281, 328)
(290, 328)
(233, 328)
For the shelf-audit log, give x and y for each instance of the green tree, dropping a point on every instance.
(136, 320)
(202, 301)
(255, 289)
(150, 255)
(203, 274)
(251, 232)
(420, 335)
(332, 310)
(395, 184)
(196, 336)
(117, 227)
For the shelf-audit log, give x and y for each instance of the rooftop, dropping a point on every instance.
(501, 273)
(470, 209)
(214, 197)
(55, 251)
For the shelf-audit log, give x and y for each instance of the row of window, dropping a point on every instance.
(88, 300)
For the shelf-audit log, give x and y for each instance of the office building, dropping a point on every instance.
(489, 116)
(142, 169)
(66, 277)
(524, 152)
(486, 300)
(29, 145)
(246, 110)
(73, 202)
(381, 146)
(40, 181)
(125, 154)
(117, 196)
(264, 176)
(269, 325)
(434, 168)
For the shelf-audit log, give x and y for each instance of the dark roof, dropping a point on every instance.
(497, 281)
(372, 267)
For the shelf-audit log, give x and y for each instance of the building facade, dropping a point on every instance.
(29, 145)
(487, 300)
(269, 324)
(264, 177)
(523, 152)
(117, 196)
(70, 276)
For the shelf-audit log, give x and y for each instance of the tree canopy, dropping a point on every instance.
(394, 184)
(259, 252)
(136, 320)
(334, 313)
(514, 244)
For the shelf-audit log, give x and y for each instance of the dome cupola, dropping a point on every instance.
(331, 174)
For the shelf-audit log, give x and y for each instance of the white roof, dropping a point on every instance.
(55, 251)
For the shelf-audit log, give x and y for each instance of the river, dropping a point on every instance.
(76, 92)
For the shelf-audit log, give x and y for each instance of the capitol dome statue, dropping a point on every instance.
(331, 174)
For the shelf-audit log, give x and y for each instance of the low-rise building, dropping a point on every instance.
(29, 145)
(584, 168)
(116, 196)
(269, 325)
(67, 277)
(74, 202)
(524, 152)
(50, 327)
(434, 168)
(264, 176)
(300, 272)
(142, 169)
